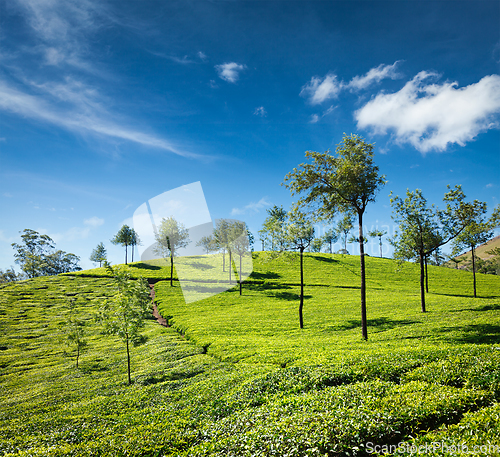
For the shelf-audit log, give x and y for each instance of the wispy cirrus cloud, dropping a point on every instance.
(317, 117)
(318, 90)
(373, 76)
(252, 207)
(230, 71)
(71, 98)
(431, 116)
(81, 113)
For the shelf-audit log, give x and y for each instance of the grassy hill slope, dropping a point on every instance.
(234, 375)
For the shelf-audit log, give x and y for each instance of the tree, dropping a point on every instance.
(424, 229)
(61, 262)
(222, 237)
(134, 241)
(124, 237)
(273, 229)
(344, 226)
(477, 232)
(123, 315)
(207, 243)
(317, 244)
(330, 237)
(37, 257)
(30, 254)
(9, 275)
(299, 233)
(240, 243)
(75, 331)
(345, 182)
(379, 234)
(99, 254)
(171, 236)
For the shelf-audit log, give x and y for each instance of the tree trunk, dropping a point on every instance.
(132, 249)
(364, 325)
(128, 363)
(474, 271)
(301, 305)
(240, 274)
(126, 251)
(171, 270)
(223, 260)
(426, 275)
(230, 267)
(422, 289)
(380, 239)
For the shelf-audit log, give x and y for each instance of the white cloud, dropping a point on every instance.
(202, 56)
(230, 71)
(375, 75)
(432, 116)
(252, 207)
(318, 90)
(316, 117)
(94, 221)
(82, 114)
(260, 111)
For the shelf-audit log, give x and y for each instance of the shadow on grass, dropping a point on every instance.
(262, 287)
(289, 296)
(145, 266)
(156, 378)
(381, 323)
(471, 295)
(325, 259)
(474, 333)
(266, 275)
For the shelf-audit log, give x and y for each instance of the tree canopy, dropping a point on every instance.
(36, 256)
(344, 182)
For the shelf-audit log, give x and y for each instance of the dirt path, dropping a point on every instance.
(161, 320)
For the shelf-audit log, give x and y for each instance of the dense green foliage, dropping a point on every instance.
(235, 376)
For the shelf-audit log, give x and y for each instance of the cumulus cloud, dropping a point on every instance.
(260, 111)
(251, 207)
(375, 75)
(317, 90)
(430, 116)
(320, 89)
(230, 72)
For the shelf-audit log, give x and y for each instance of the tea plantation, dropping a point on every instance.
(235, 376)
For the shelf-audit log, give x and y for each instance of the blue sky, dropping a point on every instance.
(106, 104)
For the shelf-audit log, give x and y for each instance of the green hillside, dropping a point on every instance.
(235, 376)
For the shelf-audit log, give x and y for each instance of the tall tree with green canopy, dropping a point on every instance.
(477, 232)
(99, 254)
(124, 237)
(299, 234)
(31, 253)
(123, 315)
(346, 181)
(423, 229)
(171, 236)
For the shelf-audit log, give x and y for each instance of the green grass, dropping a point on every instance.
(235, 376)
